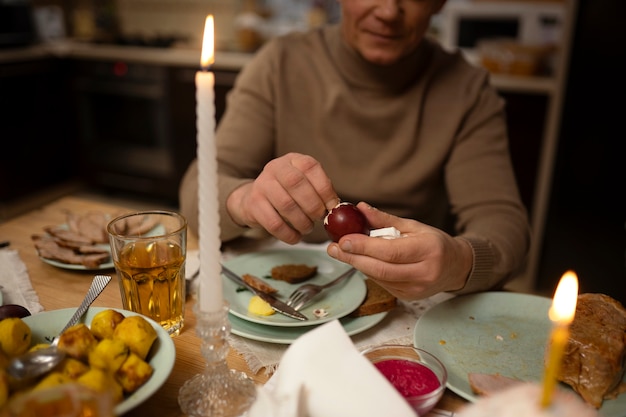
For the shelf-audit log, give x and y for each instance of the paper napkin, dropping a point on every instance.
(322, 374)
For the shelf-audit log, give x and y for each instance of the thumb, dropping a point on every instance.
(378, 219)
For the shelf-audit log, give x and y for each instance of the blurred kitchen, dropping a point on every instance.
(98, 96)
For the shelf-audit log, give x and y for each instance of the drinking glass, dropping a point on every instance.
(149, 250)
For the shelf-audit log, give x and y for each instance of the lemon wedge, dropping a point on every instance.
(259, 307)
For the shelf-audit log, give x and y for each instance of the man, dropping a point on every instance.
(371, 110)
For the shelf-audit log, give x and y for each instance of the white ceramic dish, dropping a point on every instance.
(338, 301)
(287, 335)
(492, 332)
(161, 357)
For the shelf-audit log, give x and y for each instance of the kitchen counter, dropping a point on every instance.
(175, 56)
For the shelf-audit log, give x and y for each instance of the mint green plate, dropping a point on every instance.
(494, 333)
(48, 324)
(287, 335)
(338, 301)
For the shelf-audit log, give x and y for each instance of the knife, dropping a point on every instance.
(277, 305)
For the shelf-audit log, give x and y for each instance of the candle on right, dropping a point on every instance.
(561, 315)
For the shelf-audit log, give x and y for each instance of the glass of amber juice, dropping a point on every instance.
(149, 250)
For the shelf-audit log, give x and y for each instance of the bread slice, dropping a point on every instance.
(594, 361)
(376, 301)
(293, 273)
(258, 284)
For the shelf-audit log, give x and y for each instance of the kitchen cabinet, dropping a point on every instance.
(35, 126)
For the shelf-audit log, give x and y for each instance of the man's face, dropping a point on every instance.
(383, 31)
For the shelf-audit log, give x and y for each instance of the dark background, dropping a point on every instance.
(586, 222)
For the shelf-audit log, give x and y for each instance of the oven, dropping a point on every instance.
(125, 127)
(137, 123)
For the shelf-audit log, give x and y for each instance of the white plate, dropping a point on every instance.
(287, 335)
(495, 333)
(338, 301)
(161, 356)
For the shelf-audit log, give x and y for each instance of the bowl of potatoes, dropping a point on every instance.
(121, 352)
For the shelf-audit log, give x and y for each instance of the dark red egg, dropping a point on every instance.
(343, 219)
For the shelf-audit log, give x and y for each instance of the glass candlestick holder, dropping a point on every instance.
(218, 391)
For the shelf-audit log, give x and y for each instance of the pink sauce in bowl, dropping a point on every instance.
(416, 374)
(409, 378)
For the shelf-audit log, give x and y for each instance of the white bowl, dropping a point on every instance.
(162, 355)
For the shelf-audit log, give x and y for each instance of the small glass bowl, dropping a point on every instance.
(412, 372)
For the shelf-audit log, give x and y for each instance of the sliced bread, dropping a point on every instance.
(376, 301)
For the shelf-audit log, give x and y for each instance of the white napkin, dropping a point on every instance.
(15, 282)
(322, 374)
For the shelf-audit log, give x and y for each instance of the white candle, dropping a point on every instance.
(210, 294)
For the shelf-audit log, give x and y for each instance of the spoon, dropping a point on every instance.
(38, 362)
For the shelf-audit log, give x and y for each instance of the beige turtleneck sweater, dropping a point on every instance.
(424, 139)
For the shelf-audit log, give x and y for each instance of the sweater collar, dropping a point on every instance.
(361, 73)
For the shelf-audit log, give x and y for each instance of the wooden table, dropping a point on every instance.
(61, 288)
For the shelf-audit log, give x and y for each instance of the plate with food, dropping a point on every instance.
(81, 243)
(160, 355)
(493, 333)
(284, 270)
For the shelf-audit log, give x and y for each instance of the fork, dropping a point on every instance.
(304, 293)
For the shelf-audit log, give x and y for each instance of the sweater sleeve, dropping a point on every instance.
(483, 193)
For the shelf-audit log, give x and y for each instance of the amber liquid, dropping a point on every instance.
(152, 282)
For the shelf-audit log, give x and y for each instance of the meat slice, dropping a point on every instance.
(93, 225)
(69, 236)
(594, 359)
(48, 248)
(94, 260)
(258, 284)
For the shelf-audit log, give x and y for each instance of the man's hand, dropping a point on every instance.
(291, 193)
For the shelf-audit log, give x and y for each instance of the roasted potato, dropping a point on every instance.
(77, 341)
(15, 336)
(133, 373)
(72, 367)
(52, 380)
(102, 381)
(137, 333)
(103, 324)
(109, 354)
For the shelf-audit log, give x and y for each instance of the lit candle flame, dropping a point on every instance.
(565, 297)
(207, 57)
(561, 314)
